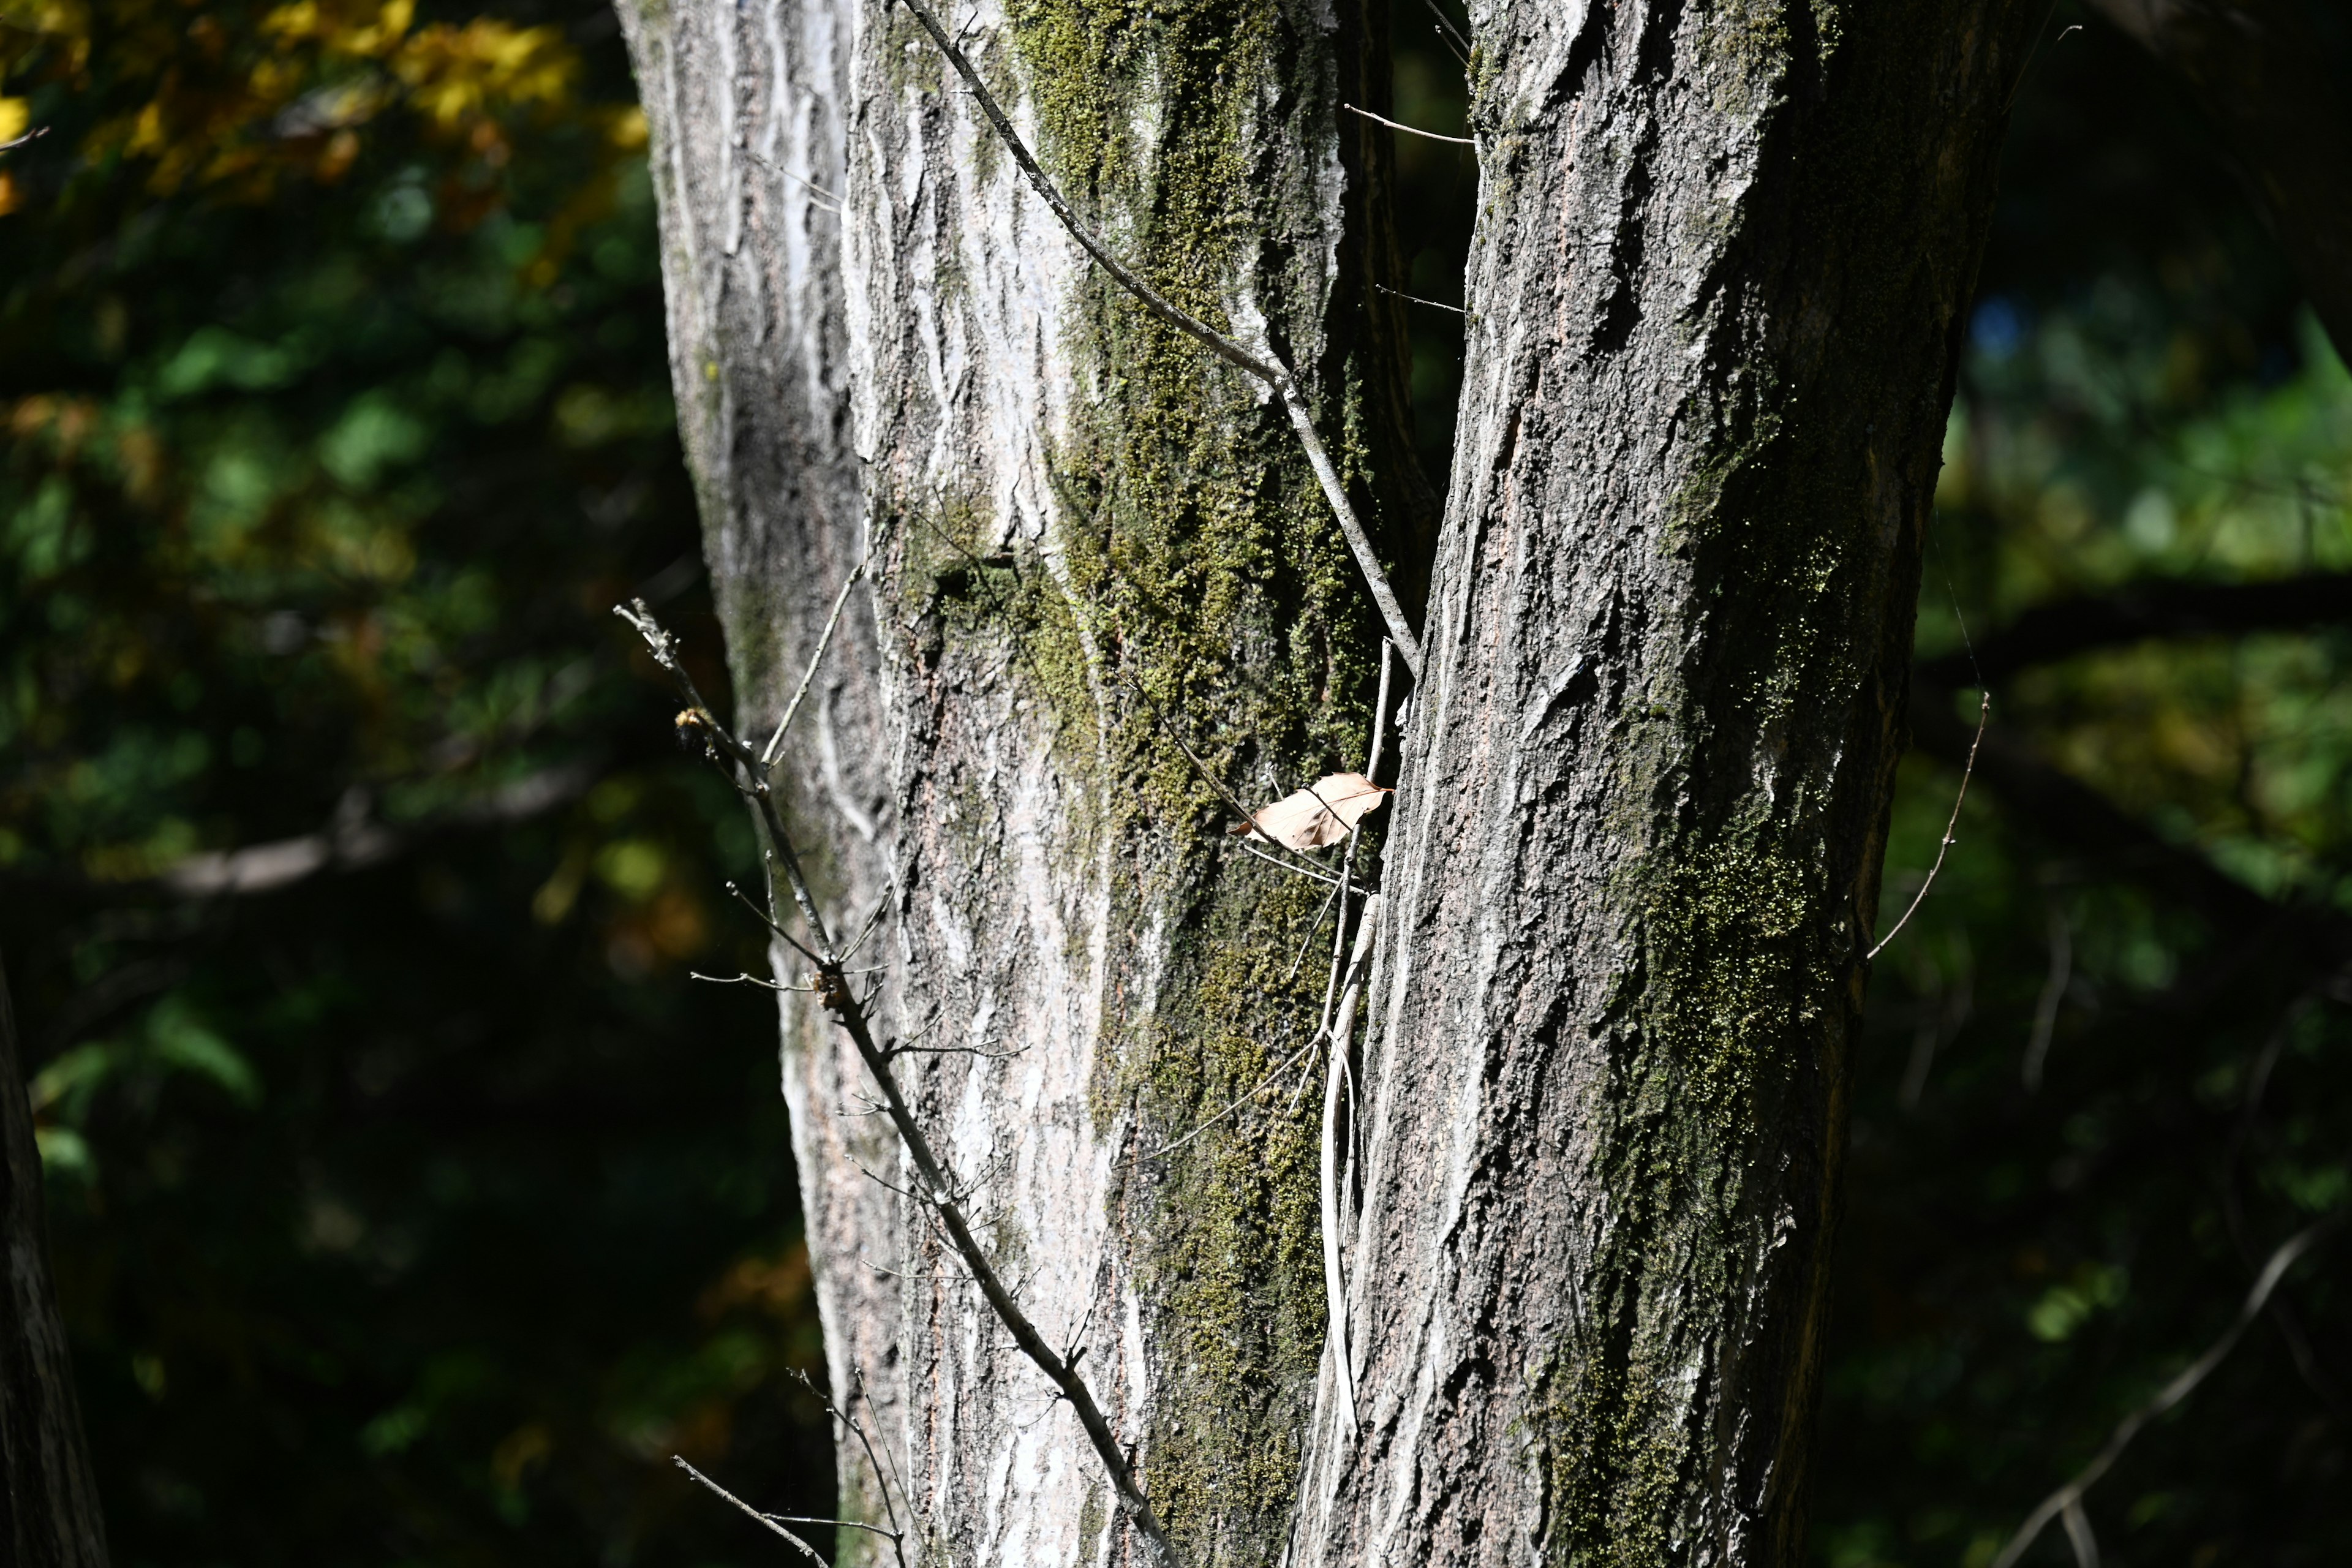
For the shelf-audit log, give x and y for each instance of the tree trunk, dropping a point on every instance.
(49, 1497)
(1633, 861)
(1721, 257)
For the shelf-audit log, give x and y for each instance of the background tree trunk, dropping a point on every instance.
(747, 107)
(48, 1496)
(1720, 266)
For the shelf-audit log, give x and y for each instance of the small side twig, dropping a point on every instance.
(1984, 716)
(770, 1520)
(1409, 130)
(775, 746)
(1267, 368)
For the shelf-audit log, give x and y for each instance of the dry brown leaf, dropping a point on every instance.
(1319, 815)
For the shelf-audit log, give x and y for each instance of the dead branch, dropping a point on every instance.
(1967, 770)
(932, 1190)
(770, 1520)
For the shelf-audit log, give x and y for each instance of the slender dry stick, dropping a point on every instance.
(1331, 1171)
(2070, 1496)
(1408, 130)
(932, 1189)
(1984, 715)
(775, 746)
(805, 1549)
(1266, 369)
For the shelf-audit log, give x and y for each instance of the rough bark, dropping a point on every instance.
(747, 107)
(48, 1494)
(1076, 504)
(2260, 76)
(1721, 255)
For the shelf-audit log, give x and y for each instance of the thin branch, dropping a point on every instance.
(824, 198)
(836, 1523)
(1415, 299)
(763, 917)
(1409, 130)
(2070, 1496)
(769, 1520)
(884, 1478)
(1233, 801)
(775, 746)
(1984, 716)
(744, 980)
(35, 134)
(1284, 865)
(932, 1190)
(1259, 1088)
(1267, 368)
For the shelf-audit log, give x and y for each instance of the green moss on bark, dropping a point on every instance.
(1194, 557)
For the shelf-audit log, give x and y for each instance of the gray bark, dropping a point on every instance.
(48, 1494)
(1721, 256)
(1072, 499)
(747, 106)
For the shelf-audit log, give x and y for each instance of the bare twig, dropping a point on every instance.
(35, 134)
(1308, 872)
(1335, 1173)
(762, 916)
(775, 746)
(1266, 368)
(2070, 1496)
(932, 1190)
(1449, 32)
(1409, 130)
(768, 1520)
(1984, 716)
(1299, 863)
(1252, 1093)
(1332, 1174)
(1415, 299)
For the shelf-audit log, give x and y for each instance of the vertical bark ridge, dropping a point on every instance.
(1721, 255)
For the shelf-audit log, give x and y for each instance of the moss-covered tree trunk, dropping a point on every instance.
(1091, 536)
(1633, 867)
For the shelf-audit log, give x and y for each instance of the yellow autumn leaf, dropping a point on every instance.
(1321, 814)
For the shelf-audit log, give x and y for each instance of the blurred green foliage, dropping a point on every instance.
(2143, 404)
(409, 1204)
